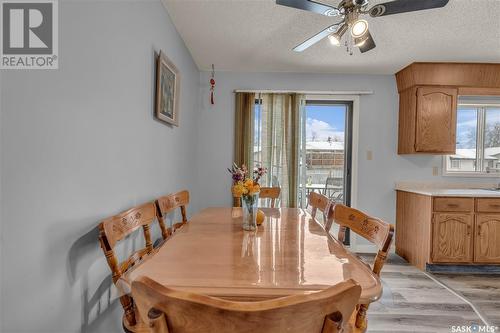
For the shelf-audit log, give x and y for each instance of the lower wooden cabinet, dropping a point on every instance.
(487, 238)
(452, 237)
(447, 230)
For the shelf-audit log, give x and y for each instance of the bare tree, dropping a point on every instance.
(492, 135)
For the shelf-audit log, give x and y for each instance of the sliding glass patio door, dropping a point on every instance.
(326, 151)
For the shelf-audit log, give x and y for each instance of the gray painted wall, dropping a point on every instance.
(378, 129)
(1, 215)
(79, 144)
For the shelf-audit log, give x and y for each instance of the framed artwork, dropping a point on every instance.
(167, 90)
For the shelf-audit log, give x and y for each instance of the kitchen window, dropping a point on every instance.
(478, 138)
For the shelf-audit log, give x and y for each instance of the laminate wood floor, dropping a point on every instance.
(483, 291)
(413, 302)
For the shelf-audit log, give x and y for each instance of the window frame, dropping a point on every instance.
(481, 108)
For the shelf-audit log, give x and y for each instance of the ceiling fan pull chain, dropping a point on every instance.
(212, 85)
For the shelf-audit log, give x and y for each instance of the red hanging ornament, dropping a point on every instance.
(212, 86)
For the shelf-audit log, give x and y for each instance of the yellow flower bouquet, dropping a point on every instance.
(247, 188)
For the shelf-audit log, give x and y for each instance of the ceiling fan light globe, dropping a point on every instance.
(359, 28)
(334, 39)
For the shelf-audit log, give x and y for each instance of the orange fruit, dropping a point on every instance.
(260, 217)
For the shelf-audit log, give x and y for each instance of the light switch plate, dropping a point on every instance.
(369, 155)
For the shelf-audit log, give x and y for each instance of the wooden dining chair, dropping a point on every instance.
(174, 311)
(170, 203)
(320, 202)
(372, 229)
(272, 193)
(116, 228)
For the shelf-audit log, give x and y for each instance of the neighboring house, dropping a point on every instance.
(324, 159)
(465, 160)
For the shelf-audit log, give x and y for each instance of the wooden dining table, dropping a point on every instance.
(290, 253)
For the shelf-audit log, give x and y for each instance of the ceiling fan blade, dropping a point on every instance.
(404, 6)
(316, 38)
(311, 6)
(368, 45)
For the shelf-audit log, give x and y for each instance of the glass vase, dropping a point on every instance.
(250, 211)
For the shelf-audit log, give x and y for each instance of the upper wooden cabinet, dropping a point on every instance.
(436, 120)
(428, 94)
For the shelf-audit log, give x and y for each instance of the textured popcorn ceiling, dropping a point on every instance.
(258, 36)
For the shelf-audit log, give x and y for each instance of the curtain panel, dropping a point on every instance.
(244, 129)
(275, 127)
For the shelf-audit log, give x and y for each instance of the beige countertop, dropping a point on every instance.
(445, 191)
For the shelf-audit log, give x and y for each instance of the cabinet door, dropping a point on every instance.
(436, 121)
(452, 238)
(487, 239)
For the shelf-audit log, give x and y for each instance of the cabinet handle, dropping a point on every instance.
(468, 230)
(452, 205)
(479, 230)
(495, 205)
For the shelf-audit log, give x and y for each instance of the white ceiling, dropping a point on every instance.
(258, 36)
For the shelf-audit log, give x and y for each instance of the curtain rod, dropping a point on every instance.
(313, 92)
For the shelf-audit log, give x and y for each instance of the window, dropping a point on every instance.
(478, 138)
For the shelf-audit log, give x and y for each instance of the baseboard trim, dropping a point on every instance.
(471, 269)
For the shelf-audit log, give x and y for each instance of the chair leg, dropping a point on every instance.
(361, 317)
(128, 307)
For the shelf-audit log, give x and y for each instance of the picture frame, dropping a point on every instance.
(167, 90)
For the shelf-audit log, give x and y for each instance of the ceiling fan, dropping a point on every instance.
(351, 11)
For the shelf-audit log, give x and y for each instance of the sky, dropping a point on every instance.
(467, 123)
(466, 128)
(322, 122)
(325, 121)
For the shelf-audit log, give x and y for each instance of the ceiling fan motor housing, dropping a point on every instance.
(360, 2)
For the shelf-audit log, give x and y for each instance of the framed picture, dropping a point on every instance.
(167, 90)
